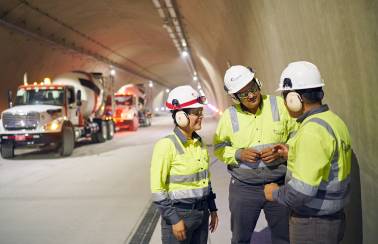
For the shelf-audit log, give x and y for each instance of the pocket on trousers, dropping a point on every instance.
(300, 221)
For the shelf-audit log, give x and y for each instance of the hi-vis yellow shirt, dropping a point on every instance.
(180, 173)
(319, 163)
(238, 129)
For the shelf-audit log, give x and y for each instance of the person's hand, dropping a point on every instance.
(179, 230)
(282, 150)
(268, 191)
(269, 154)
(213, 221)
(249, 155)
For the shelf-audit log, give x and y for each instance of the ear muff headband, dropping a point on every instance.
(294, 101)
(181, 118)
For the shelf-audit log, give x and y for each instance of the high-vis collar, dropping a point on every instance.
(183, 138)
(321, 109)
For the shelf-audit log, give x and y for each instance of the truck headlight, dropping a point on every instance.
(54, 125)
(130, 115)
(127, 115)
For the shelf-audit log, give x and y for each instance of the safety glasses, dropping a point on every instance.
(195, 111)
(253, 89)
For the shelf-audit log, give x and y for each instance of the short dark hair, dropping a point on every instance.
(312, 95)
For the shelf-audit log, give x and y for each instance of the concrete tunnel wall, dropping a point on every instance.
(339, 36)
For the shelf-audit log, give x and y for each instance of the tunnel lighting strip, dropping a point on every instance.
(175, 31)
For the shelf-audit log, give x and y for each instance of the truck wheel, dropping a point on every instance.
(134, 125)
(68, 142)
(7, 150)
(100, 135)
(110, 129)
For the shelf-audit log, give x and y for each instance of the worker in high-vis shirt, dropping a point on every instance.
(244, 141)
(319, 160)
(180, 178)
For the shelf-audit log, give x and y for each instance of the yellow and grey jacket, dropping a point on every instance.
(180, 174)
(239, 129)
(319, 163)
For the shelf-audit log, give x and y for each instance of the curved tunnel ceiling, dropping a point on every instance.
(46, 37)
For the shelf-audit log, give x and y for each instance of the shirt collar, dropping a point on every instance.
(321, 109)
(183, 138)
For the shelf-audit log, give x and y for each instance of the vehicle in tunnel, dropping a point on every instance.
(70, 108)
(130, 111)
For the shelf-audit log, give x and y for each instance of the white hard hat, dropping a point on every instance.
(300, 75)
(184, 97)
(237, 77)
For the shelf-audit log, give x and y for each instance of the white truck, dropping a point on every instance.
(68, 109)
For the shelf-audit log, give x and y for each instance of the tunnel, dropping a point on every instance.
(100, 193)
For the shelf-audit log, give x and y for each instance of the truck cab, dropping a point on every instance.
(55, 113)
(126, 113)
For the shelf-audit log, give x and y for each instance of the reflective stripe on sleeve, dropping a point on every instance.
(221, 145)
(302, 187)
(330, 206)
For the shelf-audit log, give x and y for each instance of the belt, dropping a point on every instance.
(199, 205)
(336, 215)
(280, 181)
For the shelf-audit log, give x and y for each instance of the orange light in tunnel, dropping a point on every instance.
(47, 81)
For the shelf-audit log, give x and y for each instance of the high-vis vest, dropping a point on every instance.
(179, 171)
(319, 163)
(238, 129)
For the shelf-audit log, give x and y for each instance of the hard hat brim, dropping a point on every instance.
(298, 88)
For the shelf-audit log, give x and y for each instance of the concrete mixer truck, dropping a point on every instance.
(59, 113)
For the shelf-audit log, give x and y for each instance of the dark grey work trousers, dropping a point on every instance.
(196, 223)
(317, 230)
(246, 202)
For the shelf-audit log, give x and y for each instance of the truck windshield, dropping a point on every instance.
(40, 96)
(125, 100)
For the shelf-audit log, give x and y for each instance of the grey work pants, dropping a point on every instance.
(246, 202)
(317, 230)
(197, 227)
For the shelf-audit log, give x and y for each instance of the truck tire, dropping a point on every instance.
(110, 129)
(134, 124)
(101, 135)
(7, 150)
(68, 142)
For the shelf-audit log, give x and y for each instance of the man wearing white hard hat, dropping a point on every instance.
(180, 179)
(245, 138)
(319, 160)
